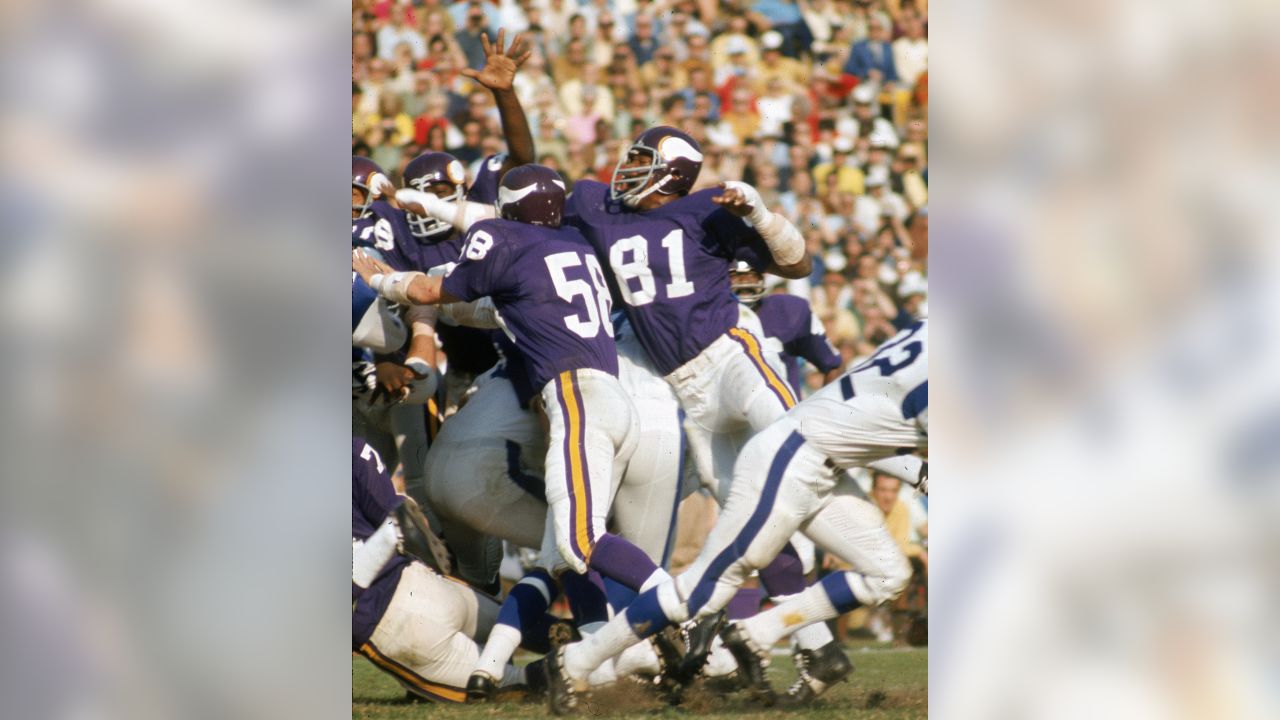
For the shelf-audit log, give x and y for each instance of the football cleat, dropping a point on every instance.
(698, 637)
(752, 662)
(816, 671)
(669, 644)
(480, 688)
(562, 696)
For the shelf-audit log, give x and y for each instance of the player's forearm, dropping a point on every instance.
(786, 244)
(408, 288)
(368, 556)
(515, 127)
(460, 215)
(479, 314)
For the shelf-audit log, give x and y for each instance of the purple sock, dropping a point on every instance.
(525, 605)
(645, 615)
(535, 636)
(617, 558)
(785, 575)
(586, 597)
(836, 585)
(620, 596)
(744, 604)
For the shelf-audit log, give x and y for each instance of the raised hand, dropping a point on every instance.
(367, 265)
(738, 198)
(500, 64)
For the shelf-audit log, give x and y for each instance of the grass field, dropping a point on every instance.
(887, 684)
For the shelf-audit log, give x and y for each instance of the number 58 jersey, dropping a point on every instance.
(877, 409)
(550, 293)
(669, 266)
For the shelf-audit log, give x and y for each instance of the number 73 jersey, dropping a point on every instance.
(669, 266)
(550, 293)
(877, 409)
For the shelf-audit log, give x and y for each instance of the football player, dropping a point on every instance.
(784, 480)
(790, 327)
(408, 620)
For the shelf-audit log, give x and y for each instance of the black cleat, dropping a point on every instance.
(816, 671)
(698, 637)
(480, 688)
(535, 677)
(752, 662)
(562, 698)
(723, 684)
(669, 644)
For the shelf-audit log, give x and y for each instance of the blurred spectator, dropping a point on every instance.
(398, 31)
(475, 26)
(911, 51)
(644, 41)
(871, 60)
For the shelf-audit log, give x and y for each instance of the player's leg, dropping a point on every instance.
(423, 639)
(763, 511)
(645, 505)
(853, 530)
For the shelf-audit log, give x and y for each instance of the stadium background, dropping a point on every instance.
(821, 105)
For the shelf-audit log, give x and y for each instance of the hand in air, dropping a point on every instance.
(500, 65)
(735, 199)
(365, 264)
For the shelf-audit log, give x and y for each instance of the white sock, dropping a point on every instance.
(603, 675)
(581, 658)
(656, 578)
(813, 636)
(801, 609)
(639, 658)
(502, 644)
(512, 675)
(720, 662)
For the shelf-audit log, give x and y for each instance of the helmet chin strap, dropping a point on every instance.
(634, 200)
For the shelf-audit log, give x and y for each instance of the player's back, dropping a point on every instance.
(550, 293)
(668, 266)
(878, 408)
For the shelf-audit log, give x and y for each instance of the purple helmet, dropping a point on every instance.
(747, 283)
(425, 171)
(369, 179)
(674, 162)
(532, 194)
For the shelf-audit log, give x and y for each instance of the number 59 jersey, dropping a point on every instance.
(550, 293)
(877, 409)
(669, 266)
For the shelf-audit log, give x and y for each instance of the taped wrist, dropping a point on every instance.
(395, 287)
(784, 241)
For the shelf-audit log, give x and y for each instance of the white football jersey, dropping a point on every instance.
(878, 408)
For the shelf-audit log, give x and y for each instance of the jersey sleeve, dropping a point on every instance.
(736, 239)
(814, 345)
(481, 269)
(373, 496)
(484, 189)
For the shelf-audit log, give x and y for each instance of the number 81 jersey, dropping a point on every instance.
(669, 267)
(877, 409)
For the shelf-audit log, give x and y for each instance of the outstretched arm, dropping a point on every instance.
(498, 73)
(461, 215)
(404, 288)
(790, 257)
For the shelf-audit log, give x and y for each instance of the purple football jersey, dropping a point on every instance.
(485, 187)
(789, 319)
(550, 291)
(386, 229)
(372, 498)
(669, 267)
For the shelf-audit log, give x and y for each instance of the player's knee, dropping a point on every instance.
(891, 580)
(571, 555)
